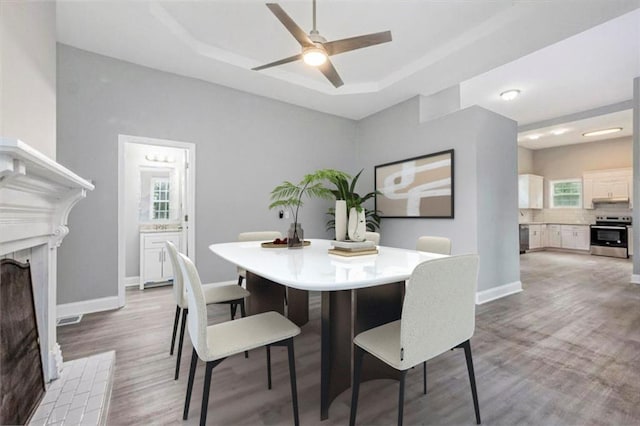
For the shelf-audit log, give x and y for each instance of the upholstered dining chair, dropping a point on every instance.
(440, 245)
(372, 236)
(213, 293)
(214, 343)
(438, 314)
(255, 236)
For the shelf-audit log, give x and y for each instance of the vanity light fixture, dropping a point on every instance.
(558, 132)
(534, 137)
(159, 158)
(509, 95)
(603, 132)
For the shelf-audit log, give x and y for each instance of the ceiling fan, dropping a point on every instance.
(316, 49)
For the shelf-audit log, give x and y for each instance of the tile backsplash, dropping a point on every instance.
(577, 216)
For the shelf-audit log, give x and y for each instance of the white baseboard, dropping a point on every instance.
(131, 281)
(87, 306)
(635, 279)
(494, 293)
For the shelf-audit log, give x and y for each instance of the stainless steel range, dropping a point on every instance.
(609, 236)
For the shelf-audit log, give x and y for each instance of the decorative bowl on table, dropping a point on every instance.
(281, 243)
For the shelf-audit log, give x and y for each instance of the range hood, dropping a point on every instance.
(610, 200)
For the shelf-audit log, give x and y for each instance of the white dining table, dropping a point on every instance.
(358, 293)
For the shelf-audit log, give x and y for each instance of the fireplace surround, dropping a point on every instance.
(36, 196)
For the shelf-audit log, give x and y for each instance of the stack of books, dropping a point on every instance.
(353, 248)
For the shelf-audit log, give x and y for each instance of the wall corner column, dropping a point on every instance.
(635, 277)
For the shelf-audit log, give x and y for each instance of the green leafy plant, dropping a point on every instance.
(289, 195)
(345, 190)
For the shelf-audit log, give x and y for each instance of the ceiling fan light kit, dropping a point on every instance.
(314, 56)
(316, 49)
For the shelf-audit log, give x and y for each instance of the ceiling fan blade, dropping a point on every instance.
(353, 43)
(330, 72)
(280, 62)
(297, 32)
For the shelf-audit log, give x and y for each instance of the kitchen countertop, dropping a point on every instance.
(556, 223)
(155, 231)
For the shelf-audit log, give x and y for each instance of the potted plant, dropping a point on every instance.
(345, 190)
(290, 195)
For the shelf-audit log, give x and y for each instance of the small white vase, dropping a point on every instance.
(341, 220)
(357, 225)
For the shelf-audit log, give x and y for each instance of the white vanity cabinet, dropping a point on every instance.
(155, 265)
(575, 237)
(530, 191)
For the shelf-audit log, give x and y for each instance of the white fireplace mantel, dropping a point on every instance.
(36, 196)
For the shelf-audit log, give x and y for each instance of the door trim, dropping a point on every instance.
(190, 205)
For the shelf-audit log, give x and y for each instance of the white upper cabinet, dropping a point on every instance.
(530, 191)
(607, 186)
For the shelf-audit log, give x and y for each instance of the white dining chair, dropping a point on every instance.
(372, 236)
(438, 314)
(255, 236)
(231, 294)
(214, 343)
(440, 245)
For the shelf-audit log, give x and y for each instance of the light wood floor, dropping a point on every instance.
(566, 351)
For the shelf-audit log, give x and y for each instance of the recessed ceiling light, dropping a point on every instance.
(534, 137)
(603, 131)
(509, 95)
(559, 132)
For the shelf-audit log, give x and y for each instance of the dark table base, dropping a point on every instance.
(344, 314)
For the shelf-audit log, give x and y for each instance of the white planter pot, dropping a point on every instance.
(357, 225)
(341, 220)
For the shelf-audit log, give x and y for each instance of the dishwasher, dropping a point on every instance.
(524, 238)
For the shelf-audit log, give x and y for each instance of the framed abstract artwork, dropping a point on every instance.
(419, 187)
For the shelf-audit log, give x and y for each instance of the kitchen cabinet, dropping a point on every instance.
(530, 191)
(535, 237)
(575, 237)
(630, 239)
(607, 186)
(155, 265)
(554, 236)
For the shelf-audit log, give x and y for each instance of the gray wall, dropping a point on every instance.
(525, 160)
(636, 179)
(28, 73)
(246, 145)
(497, 198)
(396, 134)
(570, 161)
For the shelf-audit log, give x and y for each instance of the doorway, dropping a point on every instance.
(156, 193)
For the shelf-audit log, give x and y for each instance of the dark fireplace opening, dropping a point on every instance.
(21, 375)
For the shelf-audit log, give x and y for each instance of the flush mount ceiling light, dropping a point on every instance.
(509, 95)
(314, 56)
(603, 132)
(534, 137)
(558, 132)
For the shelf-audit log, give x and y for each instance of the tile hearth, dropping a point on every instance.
(81, 395)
